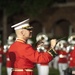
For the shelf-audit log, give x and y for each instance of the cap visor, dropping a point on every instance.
(29, 28)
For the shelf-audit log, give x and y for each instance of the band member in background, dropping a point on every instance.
(55, 62)
(1, 54)
(22, 55)
(43, 69)
(10, 40)
(63, 56)
(71, 55)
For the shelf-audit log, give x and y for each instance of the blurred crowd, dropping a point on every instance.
(64, 62)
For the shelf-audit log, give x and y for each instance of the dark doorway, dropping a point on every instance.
(61, 28)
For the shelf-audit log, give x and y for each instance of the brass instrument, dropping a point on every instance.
(42, 40)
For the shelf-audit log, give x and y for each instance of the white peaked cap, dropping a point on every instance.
(22, 24)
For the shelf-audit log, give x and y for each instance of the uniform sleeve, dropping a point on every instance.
(35, 56)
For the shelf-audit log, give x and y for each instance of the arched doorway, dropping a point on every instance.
(61, 28)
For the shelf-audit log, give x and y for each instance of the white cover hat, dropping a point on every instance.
(24, 24)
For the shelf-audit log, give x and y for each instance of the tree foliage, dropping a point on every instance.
(35, 7)
(31, 7)
(11, 6)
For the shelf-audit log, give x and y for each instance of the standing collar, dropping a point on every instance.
(20, 40)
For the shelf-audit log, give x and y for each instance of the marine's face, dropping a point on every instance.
(27, 33)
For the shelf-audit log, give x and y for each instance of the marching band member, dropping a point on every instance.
(55, 61)
(22, 55)
(71, 55)
(1, 54)
(43, 69)
(62, 61)
(6, 47)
